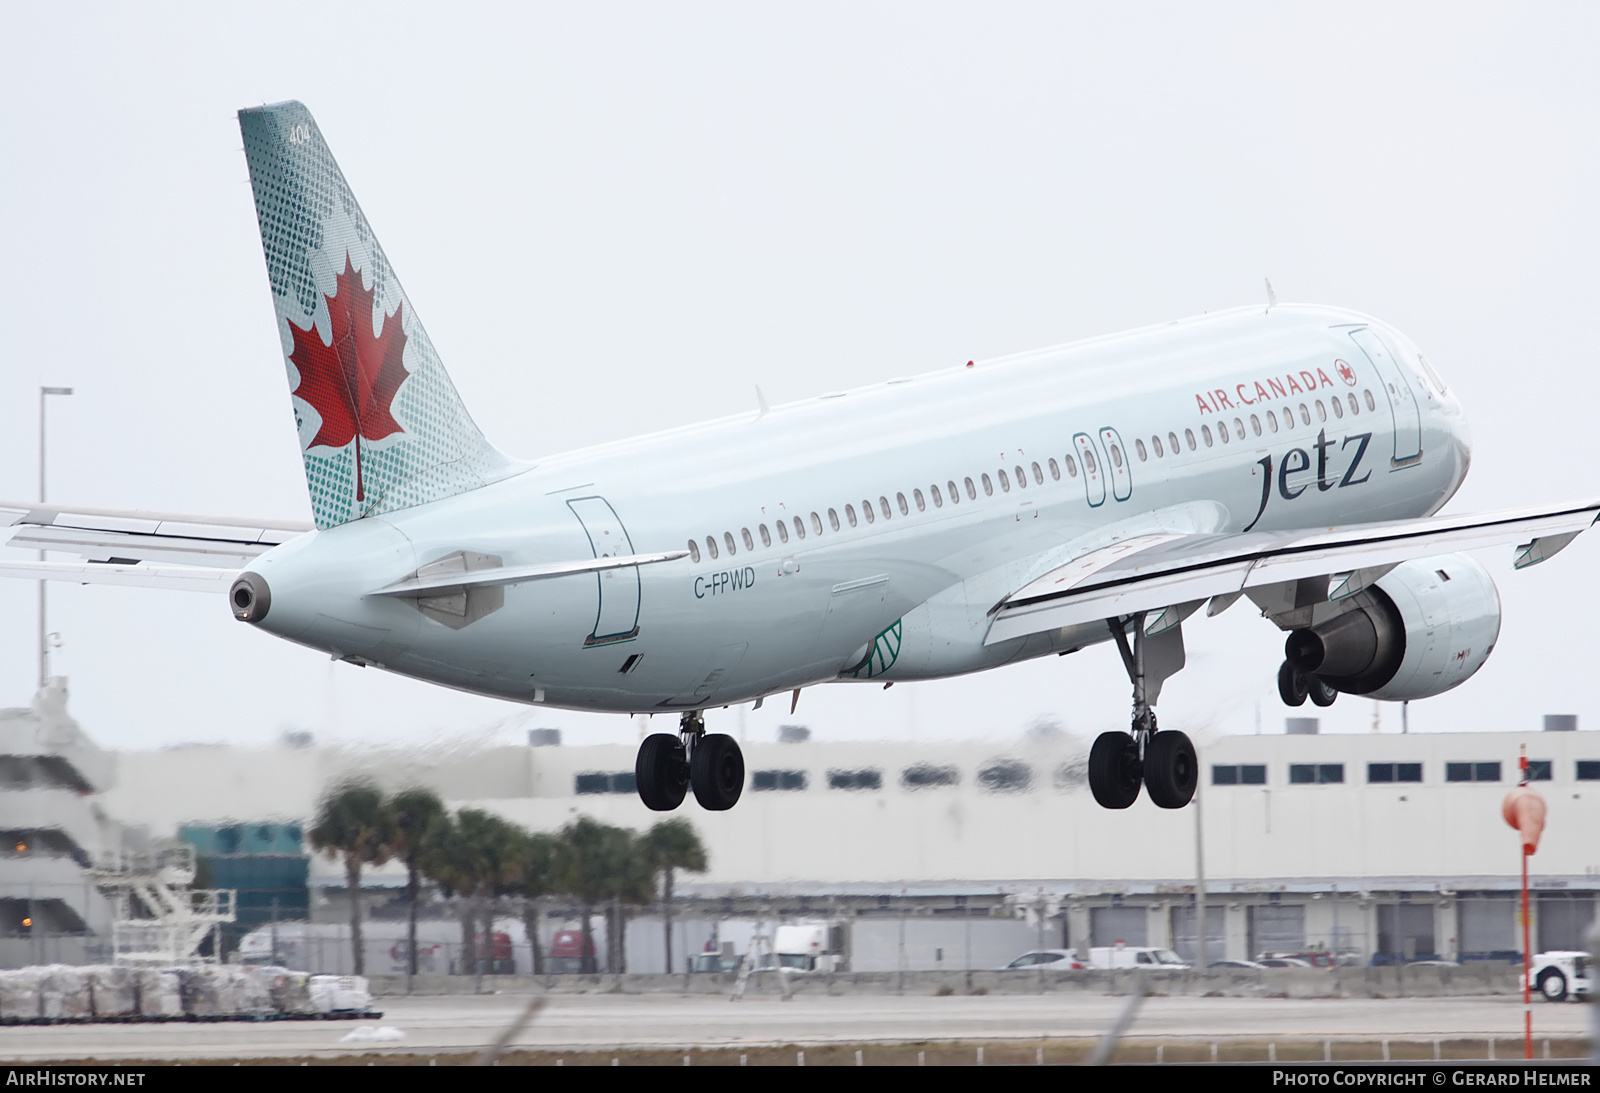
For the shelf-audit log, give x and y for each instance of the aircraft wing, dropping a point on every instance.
(148, 549)
(1152, 572)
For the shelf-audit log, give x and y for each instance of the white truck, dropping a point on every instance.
(1130, 956)
(807, 947)
(1561, 974)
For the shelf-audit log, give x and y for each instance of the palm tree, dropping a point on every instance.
(411, 812)
(672, 845)
(535, 879)
(474, 857)
(351, 821)
(596, 862)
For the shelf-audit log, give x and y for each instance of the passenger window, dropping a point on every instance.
(883, 503)
(1072, 468)
(727, 537)
(1371, 405)
(1140, 448)
(1322, 411)
(955, 494)
(988, 486)
(1038, 475)
(1088, 461)
(833, 520)
(866, 510)
(1172, 443)
(1338, 407)
(916, 495)
(850, 514)
(1188, 435)
(766, 536)
(1205, 435)
(1116, 456)
(1022, 478)
(1156, 443)
(1305, 415)
(1055, 471)
(783, 532)
(1288, 417)
(1222, 431)
(1005, 483)
(900, 499)
(816, 523)
(694, 551)
(749, 543)
(1238, 428)
(799, 528)
(711, 546)
(1255, 423)
(972, 494)
(938, 498)
(1272, 422)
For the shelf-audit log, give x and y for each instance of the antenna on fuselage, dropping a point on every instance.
(1272, 297)
(761, 401)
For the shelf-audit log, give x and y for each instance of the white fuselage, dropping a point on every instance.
(908, 594)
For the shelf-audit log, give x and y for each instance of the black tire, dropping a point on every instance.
(716, 771)
(1321, 693)
(1115, 772)
(1553, 985)
(1292, 686)
(1171, 769)
(661, 772)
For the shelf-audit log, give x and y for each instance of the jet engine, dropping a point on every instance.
(1424, 627)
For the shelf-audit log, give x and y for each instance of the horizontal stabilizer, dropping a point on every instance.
(516, 574)
(1152, 572)
(128, 536)
(184, 578)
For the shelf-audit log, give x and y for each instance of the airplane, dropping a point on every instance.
(941, 524)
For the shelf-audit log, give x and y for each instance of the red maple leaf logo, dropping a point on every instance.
(351, 383)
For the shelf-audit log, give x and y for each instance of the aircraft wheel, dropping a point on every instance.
(1171, 769)
(1553, 985)
(1292, 686)
(1321, 693)
(1114, 770)
(716, 770)
(661, 772)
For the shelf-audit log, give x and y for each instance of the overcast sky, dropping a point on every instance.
(614, 218)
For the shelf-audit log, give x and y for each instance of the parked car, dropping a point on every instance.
(1284, 962)
(1236, 964)
(1051, 959)
(714, 962)
(1125, 956)
(1561, 974)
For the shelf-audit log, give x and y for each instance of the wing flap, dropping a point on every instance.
(1152, 572)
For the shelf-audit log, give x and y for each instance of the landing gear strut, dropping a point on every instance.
(669, 766)
(1165, 762)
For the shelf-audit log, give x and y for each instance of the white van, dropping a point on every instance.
(1128, 956)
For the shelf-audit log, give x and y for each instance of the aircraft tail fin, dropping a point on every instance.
(381, 426)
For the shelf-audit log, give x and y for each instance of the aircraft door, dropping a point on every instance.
(617, 618)
(1121, 469)
(1402, 399)
(1093, 467)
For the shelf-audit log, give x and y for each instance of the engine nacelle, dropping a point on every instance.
(1425, 627)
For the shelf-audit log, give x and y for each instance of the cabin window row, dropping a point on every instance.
(797, 528)
(1286, 415)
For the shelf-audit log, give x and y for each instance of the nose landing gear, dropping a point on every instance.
(668, 766)
(1165, 762)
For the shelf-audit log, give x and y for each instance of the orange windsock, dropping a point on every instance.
(1523, 809)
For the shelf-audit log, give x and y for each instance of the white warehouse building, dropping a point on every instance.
(1383, 847)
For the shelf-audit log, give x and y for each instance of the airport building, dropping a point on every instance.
(1385, 848)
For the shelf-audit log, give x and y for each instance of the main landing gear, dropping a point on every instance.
(669, 766)
(1164, 762)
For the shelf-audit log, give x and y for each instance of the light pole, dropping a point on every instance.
(44, 637)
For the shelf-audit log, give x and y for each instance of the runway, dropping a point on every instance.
(589, 1023)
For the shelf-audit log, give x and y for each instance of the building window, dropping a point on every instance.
(778, 780)
(923, 775)
(1006, 776)
(600, 782)
(1394, 772)
(1304, 774)
(1244, 774)
(1472, 772)
(1589, 770)
(870, 778)
(1538, 770)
